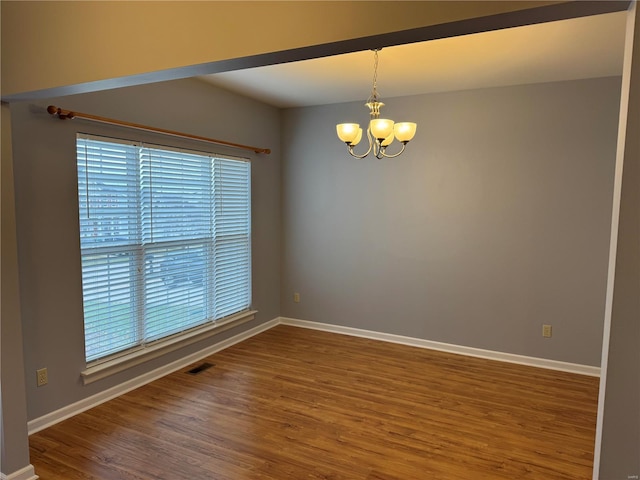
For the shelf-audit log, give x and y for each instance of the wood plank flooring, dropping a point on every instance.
(293, 403)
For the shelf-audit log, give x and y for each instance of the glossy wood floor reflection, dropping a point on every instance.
(294, 403)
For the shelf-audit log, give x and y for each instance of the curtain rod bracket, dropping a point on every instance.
(69, 115)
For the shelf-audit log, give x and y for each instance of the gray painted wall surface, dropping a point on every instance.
(14, 446)
(47, 216)
(495, 220)
(620, 451)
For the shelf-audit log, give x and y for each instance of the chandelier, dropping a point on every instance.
(381, 131)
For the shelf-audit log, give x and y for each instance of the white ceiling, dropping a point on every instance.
(585, 47)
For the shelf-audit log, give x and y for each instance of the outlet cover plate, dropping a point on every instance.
(42, 377)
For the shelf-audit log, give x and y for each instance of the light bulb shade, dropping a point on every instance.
(387, 141)
(356, 141)
(348, 132)
(381, 128)
(404, 131)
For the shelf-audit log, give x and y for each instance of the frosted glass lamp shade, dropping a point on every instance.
(356, 141)
(387, 141)
(381, 128)
(404, 131)
(348, 132)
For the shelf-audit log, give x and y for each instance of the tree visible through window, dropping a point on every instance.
(165, 238)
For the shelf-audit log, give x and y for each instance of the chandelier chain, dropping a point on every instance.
(374, 89)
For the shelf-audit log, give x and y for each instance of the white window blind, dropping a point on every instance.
(165, 241)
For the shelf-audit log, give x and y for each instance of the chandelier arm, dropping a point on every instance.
(383, 152)
(377, 147)
(353, 154)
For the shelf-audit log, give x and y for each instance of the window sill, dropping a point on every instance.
(110, 367)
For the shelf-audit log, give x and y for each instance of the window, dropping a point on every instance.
(165, 238)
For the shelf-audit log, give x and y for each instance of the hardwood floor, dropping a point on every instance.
(293, 403)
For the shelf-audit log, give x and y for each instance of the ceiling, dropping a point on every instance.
(586, 47)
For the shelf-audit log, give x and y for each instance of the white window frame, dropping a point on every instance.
(112, 363)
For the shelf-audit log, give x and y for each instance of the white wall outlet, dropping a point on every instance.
(546, 331)
(42, 377)
(296, 297)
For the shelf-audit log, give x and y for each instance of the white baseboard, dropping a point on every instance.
(69, 411)
(447, 347)
(52, 418)
(26, 473)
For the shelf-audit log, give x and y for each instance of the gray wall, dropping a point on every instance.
(47, 216)
(494, 221)
(620, 451)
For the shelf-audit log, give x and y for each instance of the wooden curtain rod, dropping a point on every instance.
(69, 115)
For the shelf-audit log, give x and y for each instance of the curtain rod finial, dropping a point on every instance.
(62, 114)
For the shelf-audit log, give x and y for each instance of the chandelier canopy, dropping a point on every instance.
(381, 131)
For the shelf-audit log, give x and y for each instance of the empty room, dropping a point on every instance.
(215, 265)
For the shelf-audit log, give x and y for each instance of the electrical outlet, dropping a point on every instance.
(42, 377)
(546, 331)
(296, 297)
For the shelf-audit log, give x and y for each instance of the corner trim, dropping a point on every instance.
(447, 347)
(69, 411)
(26, 473)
